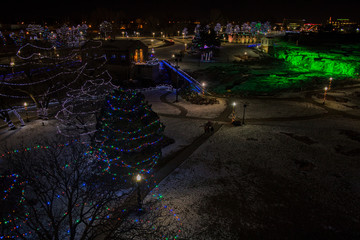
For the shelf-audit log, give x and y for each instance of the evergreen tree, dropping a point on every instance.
(129, 135)
(204, 36)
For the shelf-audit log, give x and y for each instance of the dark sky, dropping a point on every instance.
(274, 10)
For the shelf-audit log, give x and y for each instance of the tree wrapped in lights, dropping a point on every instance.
(229, 29)
(3, 39)
(205, 38)
(185, 32)
(245, 27)
(62, 36)
(35, 31)
(81, 108)
(83, 31)
(130, 135)
(217, 28)
(105, 28)
(19, 39)
(236, 29)
(45, 73)
(52, 194)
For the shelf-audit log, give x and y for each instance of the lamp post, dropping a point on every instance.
(330, 80)
(243, 121)
(152, 46)
(203, 88)
(138, 180)
(153, 35)
(12, 64)
(26, 113)
(177, 77)
(325, 90)
(233, 112)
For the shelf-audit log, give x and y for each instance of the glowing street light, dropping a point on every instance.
(138, 181)
(26, 113)
(153, 34)
(203, 88)
(138, 178)
(12, 64)
(330, 80)
(185, 46)
(325, 90)
(233, 112)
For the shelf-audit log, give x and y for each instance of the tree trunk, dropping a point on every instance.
(4, 115)
(19, 117)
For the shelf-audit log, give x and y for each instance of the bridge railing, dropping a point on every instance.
(193, 82)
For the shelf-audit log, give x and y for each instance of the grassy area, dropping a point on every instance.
(292, 68)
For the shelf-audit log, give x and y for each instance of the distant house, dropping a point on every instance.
(125, 52)
(124, 57)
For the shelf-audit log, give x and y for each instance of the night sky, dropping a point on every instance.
(273, 10)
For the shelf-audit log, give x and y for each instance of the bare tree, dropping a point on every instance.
(58, 194)
(80, 111)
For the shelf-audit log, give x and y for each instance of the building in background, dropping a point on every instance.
(343, 25)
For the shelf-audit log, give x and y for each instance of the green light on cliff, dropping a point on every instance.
(331, 63)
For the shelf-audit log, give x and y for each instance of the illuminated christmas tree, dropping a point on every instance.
(129, 135)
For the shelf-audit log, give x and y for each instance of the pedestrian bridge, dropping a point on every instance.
(195, 85)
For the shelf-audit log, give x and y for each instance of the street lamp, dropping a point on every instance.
(153, 34)
(177, 77)
(330, 80)
(243, 121)
(325, 90)
(185, 46)
(26, 113)
(138, 180)
(233, 112)
(203, 88)
(12, 64)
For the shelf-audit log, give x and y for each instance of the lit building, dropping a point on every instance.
(293, 24)
(267, 44)
(343, 24)
(124, 57)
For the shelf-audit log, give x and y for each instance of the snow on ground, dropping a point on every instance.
(32, 133)
(278, 179)
(193, 110)
(270, 108)
(183, 131)
(157, 105)
(347, 100)
(204, 111)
